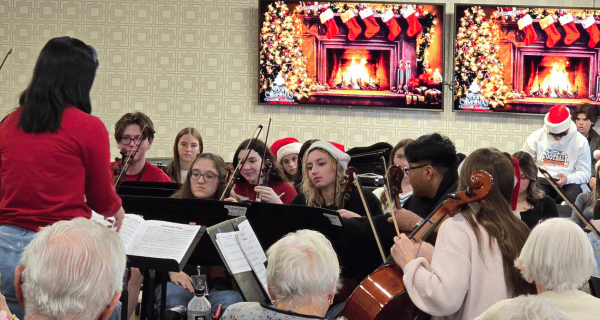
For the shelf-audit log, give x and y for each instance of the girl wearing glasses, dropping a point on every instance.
(55, 155)
(247, 187)
(473, 261)
(205, 180)
(323, 168)
(188, 144)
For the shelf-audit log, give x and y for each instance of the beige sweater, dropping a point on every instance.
(460, 283)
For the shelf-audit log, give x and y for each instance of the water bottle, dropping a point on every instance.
(199, 307)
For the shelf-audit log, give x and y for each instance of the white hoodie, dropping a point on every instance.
(569, 156)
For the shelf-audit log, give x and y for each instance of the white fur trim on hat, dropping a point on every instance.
(342, 157)
(288, 149)
(557, 127)
(597, 156)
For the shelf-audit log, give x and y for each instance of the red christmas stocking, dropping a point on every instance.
(327, 19)
(589, 24)
(525, 23)
(354, 29)
(413, 23)
(549, 27)
(570, 29)
(390, 21)
(366, 15)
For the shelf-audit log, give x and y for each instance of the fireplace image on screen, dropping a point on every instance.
(352, 54)
(543, 56)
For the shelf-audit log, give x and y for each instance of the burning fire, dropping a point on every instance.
(355, 72)
(553, 80)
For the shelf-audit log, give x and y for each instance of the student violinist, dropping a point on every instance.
(323, 183)
(128, 133)
(248, 186)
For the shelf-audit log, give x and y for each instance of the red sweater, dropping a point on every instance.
(150, 173)
(47, 177)
(247, 190)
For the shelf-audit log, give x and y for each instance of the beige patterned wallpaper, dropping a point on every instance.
(193, 63)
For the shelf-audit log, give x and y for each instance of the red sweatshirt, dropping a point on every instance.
(47, 177)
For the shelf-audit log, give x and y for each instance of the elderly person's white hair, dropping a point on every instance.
(557, 256)
(302, 265)
(530, 308)
(72, 270)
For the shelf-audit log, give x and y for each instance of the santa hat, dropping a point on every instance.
(284, 147)
(336, 150)
(596, 156)
(558, 119)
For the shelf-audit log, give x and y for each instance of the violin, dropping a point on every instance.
(120, 171)
(345, 194)
(237, 171)
(382, 295)
(395, 175)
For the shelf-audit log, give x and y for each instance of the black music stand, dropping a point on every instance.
(153, 265)
(198, 211)
(247, 281)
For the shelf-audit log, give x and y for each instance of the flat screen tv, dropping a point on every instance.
(525, 59)
(369, 54)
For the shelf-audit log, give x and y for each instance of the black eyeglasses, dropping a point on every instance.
(208, 176)
(407, 170)
(127, 139)
(559, 135)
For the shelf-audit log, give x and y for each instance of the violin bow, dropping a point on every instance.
(386, 189)
(262, 160)
(131, 155)
(362, 197)
(236, 171)
(562, 195)
(3, 61)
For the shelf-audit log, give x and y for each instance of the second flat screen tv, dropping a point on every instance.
(525, 59)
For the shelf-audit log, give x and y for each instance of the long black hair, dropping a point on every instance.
(63, 76)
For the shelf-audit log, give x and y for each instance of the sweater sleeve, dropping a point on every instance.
(440, 288)
(99, 190)
(580, 204)
(582, 170)
(290, 193)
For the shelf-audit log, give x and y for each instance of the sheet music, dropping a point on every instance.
(253, 252)
(163, 240)
(231, 250)
(131, 224)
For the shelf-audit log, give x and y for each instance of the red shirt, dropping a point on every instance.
(47, 177)
(150, 173)
(245, 189)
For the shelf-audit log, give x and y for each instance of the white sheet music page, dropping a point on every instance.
(253, 251)
(163, 240)
(129, 228)
(231, 250)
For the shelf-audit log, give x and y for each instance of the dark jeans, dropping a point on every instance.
(571, 191)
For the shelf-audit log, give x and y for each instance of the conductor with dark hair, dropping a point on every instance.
(55, 155)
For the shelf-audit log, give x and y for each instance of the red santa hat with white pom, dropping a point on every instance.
(596, 156)
(284, 147)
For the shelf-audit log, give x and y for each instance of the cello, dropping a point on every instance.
(382, 295)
